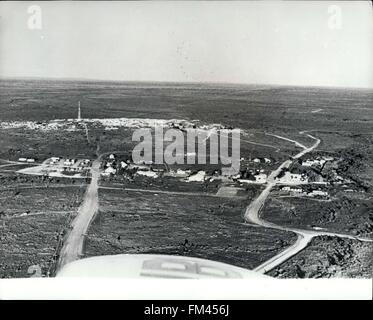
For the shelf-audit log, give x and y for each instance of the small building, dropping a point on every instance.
(69, 162)
(314, 162)
(295, 190)
(148, 173)
(292, 178)
(54, 160)
(179, 173)
(112, 157)
(261, 178)
(30, 160)
(84, 163)
(262, 160)
(237, 176)
(318, 193)
(110, 170)
(198, 177)
(22, 159)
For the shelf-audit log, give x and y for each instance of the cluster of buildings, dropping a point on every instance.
(287, 177)
(70, 165)
(257, 175)
(317, 162)
(111, 166)
(262, 160)
(298, 175)
(255, 161)
(71, 170)
(300, 191)
(251, 176)
(69, 162)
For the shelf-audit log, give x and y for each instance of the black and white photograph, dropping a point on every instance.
(186, 140)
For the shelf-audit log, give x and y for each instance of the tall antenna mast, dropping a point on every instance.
(79, 113)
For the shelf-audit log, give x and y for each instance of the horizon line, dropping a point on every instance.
(178, 82)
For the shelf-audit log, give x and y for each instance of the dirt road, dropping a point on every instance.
(73, 245)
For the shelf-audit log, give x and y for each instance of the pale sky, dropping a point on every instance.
(287, 42)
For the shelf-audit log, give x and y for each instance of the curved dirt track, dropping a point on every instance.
(252, 214)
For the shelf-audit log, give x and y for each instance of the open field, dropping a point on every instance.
(33, 220)
(244, 106)
(19, 142)
(342, 214)
(136, 222)
(12, 180)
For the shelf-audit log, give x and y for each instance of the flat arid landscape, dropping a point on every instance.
(300, 205)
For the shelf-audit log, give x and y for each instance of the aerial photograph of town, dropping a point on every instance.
(299, 204)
